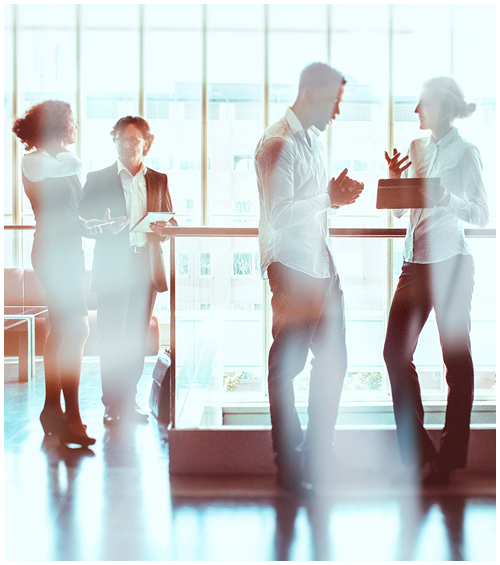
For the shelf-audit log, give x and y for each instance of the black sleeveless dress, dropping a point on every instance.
(57, 254)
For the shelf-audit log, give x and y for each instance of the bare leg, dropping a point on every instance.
(52, 350)
(70, 365)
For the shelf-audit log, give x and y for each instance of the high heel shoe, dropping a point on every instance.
(69, 436)
(52, 422)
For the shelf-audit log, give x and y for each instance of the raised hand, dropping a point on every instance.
(395, 166)
(93, 227)
(343, 190)
(115, 224)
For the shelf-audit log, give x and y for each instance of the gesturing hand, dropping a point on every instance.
(93, 227)
(395, 168)
(343, 190)
(115, 224)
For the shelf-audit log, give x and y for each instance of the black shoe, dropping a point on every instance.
(135, 415)
(295, 483)
(52, 422)
(111, 416)
(69, 437)
(437, 476)
(290, 474)
(413, 475)
(321, 469)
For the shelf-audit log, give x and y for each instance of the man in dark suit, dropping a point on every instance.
(127, 269)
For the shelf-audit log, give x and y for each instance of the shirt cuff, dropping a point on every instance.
(454, 204)
(324, 199)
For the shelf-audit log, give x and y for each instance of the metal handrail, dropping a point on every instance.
(209, 231)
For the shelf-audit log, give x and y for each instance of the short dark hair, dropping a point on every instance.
(319, 75)
(44, 122)
(139, 123)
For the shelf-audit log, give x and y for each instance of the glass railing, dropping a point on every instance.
(221, 321)
(216, 318)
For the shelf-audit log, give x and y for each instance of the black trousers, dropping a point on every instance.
(447, 287)
(308, 313)
(123, 317)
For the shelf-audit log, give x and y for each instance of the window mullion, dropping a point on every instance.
(266, 294)
(390, 242)
(204, 125)
(79, 93)
(16, 156)
(142, 94)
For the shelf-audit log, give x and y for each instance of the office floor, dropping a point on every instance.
(116, 501)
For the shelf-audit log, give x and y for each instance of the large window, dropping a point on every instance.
(209, 79)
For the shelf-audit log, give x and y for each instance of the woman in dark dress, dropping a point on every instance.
(51, 183)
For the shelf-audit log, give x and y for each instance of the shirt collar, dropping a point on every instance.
(121, 167)
(444, 141)
(295, 124)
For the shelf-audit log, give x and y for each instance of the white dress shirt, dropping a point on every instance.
(294, 202)
(39, 165)
(134, 189)
(436, 234)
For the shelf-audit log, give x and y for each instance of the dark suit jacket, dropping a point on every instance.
(103, 190)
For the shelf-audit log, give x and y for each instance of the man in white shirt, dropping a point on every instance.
(127, 269)
(307, 302)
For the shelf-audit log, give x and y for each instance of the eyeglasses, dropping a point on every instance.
(132, 141)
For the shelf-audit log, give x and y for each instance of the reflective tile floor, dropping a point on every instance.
(116, 501)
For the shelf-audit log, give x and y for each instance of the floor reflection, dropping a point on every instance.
(408, 528)
(116, 501)
(63, 464)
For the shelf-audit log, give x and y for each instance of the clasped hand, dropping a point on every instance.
(343, 190)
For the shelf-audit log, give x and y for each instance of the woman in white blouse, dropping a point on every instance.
(51, 183)
(438, 272)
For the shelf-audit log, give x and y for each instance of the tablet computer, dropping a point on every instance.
(404, 193)
(143, 224)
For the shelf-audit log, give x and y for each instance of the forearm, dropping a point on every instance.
(39, 166)
(472, 207)
(284, 214)
(474, 213)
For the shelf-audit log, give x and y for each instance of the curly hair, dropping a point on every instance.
(50, 121)
(139, 123)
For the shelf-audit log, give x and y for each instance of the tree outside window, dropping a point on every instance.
(242, 206)
(205, 263)
(182, 264)
(242, 264)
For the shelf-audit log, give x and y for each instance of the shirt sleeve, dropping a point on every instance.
(275, 167)
(472, 209)
(40, 165)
